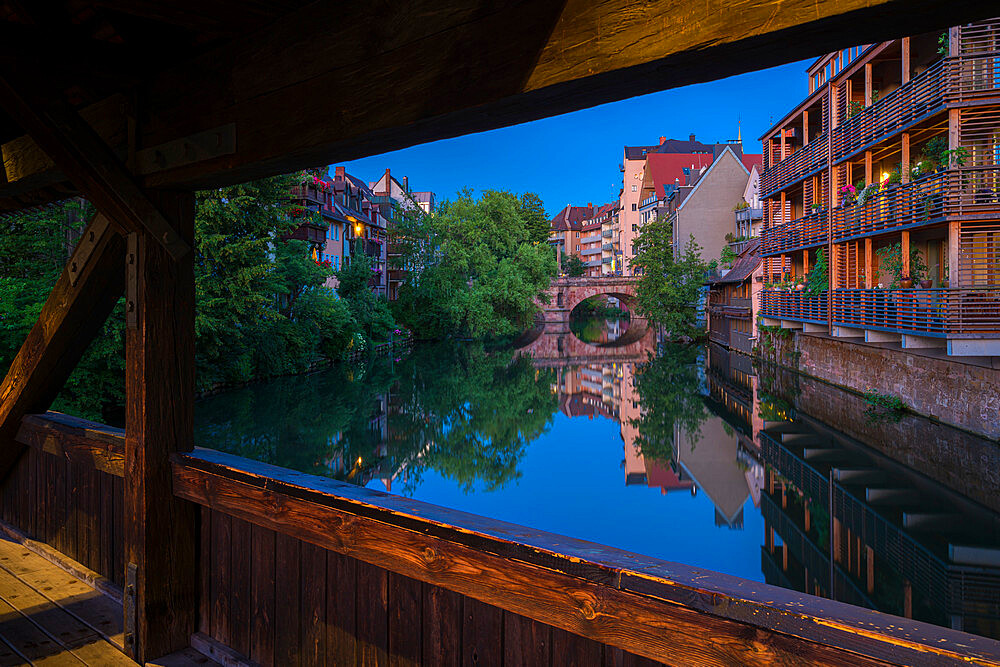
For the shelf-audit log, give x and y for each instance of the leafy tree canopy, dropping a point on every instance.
(477, 268)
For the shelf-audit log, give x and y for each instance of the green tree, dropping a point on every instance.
(573, 266)
(478, 269)
(669, 288)
(371, 312)
(536, 220)
(670, 392)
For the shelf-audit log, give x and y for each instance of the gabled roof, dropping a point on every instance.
(570, 218)
(667, 168)
(668, 146)
(744, 266)
(751, 160)
(705, 176)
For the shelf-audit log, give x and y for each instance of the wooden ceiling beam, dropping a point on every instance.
(92, 165)
(309, 90)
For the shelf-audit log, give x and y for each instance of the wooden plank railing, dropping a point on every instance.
(795, 305)
(808, 231)
(299, 568)
(953, 80)
(964, 193)
(803, 162)
(953, 312)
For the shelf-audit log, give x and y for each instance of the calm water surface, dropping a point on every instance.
(686, 454)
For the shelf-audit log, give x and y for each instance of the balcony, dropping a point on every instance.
(739, 246)
(954, 80)
(372, 248)
(749, 214)
(608, 233)
(795, 167)
(590, 251)
(953, 313)
(797, 306)
(606, 260)
(969, 192)
(608, 247)
(591, 239)
(807, 231)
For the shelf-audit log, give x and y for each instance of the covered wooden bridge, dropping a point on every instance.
(135, 104)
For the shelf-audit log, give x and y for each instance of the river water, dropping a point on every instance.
(689, 454)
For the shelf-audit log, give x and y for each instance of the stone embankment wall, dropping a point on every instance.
(960, 394)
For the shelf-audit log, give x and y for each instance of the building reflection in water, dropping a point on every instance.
(894, 513)
(846, 519)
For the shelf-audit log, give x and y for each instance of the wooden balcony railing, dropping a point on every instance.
(954, 312)
(949, 81)
(809, 230)
(797, 306)
(969, 192)
(795, 167)
(922, 96)
(296, 568)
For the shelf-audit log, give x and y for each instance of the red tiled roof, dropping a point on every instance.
(569, 218)
(751, 160)
(658, 473)
(666, 168)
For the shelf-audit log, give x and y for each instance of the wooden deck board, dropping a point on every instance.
(49, 617)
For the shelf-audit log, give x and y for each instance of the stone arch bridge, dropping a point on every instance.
(565, 294)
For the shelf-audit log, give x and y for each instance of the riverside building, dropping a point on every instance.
(885, 179)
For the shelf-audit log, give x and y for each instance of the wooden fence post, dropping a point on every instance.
(161, 530)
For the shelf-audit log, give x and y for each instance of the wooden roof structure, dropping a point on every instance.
(135, 104)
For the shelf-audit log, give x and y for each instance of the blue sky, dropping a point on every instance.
(574, 158)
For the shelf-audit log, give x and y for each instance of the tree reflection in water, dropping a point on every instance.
(670, 390)
(457, 409)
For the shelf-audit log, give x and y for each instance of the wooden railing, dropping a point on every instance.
(807, 231)
(301, 569)
(795, 305)
(953, 80)
(803, 162)
(951, 312)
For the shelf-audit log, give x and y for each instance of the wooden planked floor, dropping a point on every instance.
(49, 617)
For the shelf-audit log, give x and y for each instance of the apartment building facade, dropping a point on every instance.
(887, 178)
(393, 197)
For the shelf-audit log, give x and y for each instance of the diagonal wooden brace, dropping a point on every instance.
(73, 314)
(90, 163)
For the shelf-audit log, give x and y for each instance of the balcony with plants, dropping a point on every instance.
(802, 298)
(808, 231)
(802, 163)
(943, 186)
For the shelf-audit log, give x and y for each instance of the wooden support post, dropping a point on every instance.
(769, 539)
(905, 251)
(807, 519)
(781, 150)
(805, 262)
(954, 276)
(953, 125)
(805, 127)
(870, 281)
(784, 497)
(907, 599)
(905, 72)
(784, 556)
(784, 208)
(904, 166)
(868, 84)
(83, 297)
(868, 168)
(870, 563)
(160, 530)
(782, 269)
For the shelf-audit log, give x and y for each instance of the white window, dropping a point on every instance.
(633, 187)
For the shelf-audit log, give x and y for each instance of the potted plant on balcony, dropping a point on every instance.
(848, 194)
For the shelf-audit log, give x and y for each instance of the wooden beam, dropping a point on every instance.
(664, 611)
(868, 84)
(870, 281)
(75, 439)
(905, 252)
(905, 60)
(905, 161)
(161, 532)
(868, 168)
(72, 315)
(80, 153)
(507, 62)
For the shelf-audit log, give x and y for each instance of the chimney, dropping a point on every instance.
(339, 173)
(691, 137)
(663, 140)
(406, 183)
